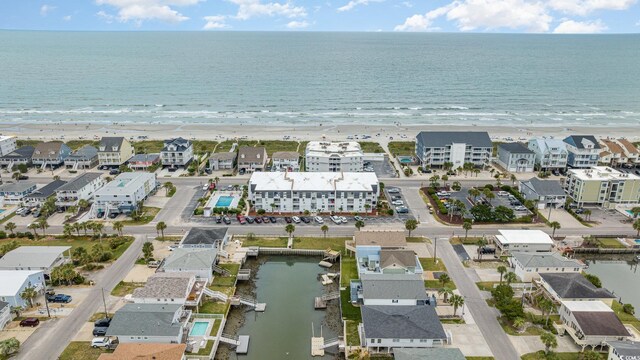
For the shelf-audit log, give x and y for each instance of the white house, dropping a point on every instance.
(323, 192)
(171, 288)
(125, 192)
(376, 260)
(523, 241)
(7, 145)
(551, 154)
(573, 287)
(223, 161)
(323, 156)
(192, 260)
(391, 289)
(591, 323)
(435, 148)
(80, 188)
(529, 265)
(285, 161)
(176, 152)
(43, 258)
(15, 193)
(150, 323)
(5, 314)
(384, 328)
(15, 281)
(583, 151)
(547, 193)
(515, 157)
(623, 350)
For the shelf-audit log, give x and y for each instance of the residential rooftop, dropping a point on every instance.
(574, 286)
(204, 236)
(32, 257)
(285, 155)
(186, 259)
(403, 258)
(596, 318)
(435, 139)
(626, 349)
(545, 260)
(340, 149)
(546, 187)
(47, 190)
(125, 183)
(524, 237)
(313, 181)
(602, 173)
(79, 182)
(582, 141)
(382, 238)
(144, 158)
(402, 322)
(12, 281)
(393, 286)
(145, 320)
(18, 187)
(515, 148)
(171, 285)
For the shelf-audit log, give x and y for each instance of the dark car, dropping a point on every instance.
(265, 219)
(273, 219)
(258, 220)
(113, 215)
(305, 219)
(100, 331)
(172, 169)
(114, 172)
(218, 219)
(226, 220)
(59, 298)
(288, 220)
(32, 322)
(100, 214)
(249, 219)
(104, 322)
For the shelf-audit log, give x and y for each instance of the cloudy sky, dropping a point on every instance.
(527, 16)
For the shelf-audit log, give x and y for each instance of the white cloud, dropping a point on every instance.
(297, 24)
(584, 7)
(46, 9)
(215, 22)
(66, 18)
(407, 4)
(141, 10)
(108, 18)
(248, 9)
(354, 3)
(485, 15)
(578, 27)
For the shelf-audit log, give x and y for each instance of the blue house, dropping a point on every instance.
(376, 260)
(583, 151)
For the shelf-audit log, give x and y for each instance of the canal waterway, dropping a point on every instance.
(622, 277)
(288, 285)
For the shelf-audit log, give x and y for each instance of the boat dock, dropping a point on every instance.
(320, 302)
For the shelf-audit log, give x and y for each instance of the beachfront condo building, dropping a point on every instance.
(515, 157)
(252, 159)
(583, 151)
(81, 187)
(114, 151)
(321, 192)
(125, 192)
(618, 152)
(550, 154)
(437, 148)
(602, 186)
(176, 152)
(7, 144)
(323, 156)
(84, 158)
(285, 161)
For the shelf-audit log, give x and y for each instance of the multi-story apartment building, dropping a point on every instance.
(84, 158)
(176, 152)
(551, 154)
(515, 157)
(296, 192)
(286, 161)
(612, 153)
(7, 144)
(125, 192)
(322, 156)
(602, 186)
(583, 151)
(252, 159)
(631, 151)
(435, 148)
(80, 188)
(114, 151)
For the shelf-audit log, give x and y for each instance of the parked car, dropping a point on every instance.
(265, 219)
(218, 219)
(295, 219)
(100, 331)
(305, 219)
(503, 193)
(336, 219)
(319, 220)
(402, 209)
(393, 191)
(100, 214)
(258, 220)
(241, 219)
(273, 219)
(520, 208)
(172, 169)
(59, 298)
(249, 219)
(343, 219)
(153, 264)
(358, 218)
(226, 220)
(100, 342)
(31, 322)
(397, 202)
(172, 247)
(288, 220)
(396, 197)
(556, 172)
(26, 212)
(205, 187)
(114, 172)
(113, 215)
(104, 322)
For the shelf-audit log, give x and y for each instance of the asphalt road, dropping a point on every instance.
(484, 316)
(49, 341)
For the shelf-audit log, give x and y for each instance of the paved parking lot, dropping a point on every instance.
(383, 169)
(608, 217)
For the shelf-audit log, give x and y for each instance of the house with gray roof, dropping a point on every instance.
(385, 328)
(39, 196)
(176, 152)
(529, 265)
(51, 154)
(150, 323)
(125, 192)
(205, 238)
(114, 151)
(428, 353)
(285, 161)
(591, 323)
(515, 157)
(376, 260)
(84, 158)
(143, 161)
(14, 193)
(223, 161)
(21, 155)
(583, 151)
(623, 350)
(82, 187)
(390, 289)
(171, 288)
(43, 258)
(252, 158)
(573, 287)
(547, 193)
(193, 260)
(551, 154)
(435, 148)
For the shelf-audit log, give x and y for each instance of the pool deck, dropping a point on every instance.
(213, 200)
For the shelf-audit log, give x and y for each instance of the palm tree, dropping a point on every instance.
(9, 347)
(83, 204)
(555, 226)
(519, 323)
(324, 229)
(33, 227)
(273, 206)
(510, 277)
(636, 226)
(473, 192)
(456, 186)
(549, 341)
(434, 181)
(29, 294)
(635, 211)
(359, 224)
(215, 180)
(445, 292)
(410, 224)
(514, 179)
(457, 301)
(290, 229)
(147, 250)
(118, 226)
(501, 269)
(587, 214)
(98, 228)
(85, 226)
(367, 207)
(444, 279)
(43, 224)
(481, 243)
(167, 186)
(489, 195)
(67, 230)
(546, 306)
(10, 227)
(466, 225)
(476, 171)
(161, 227)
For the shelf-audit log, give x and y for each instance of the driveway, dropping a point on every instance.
(469, 339)
(564, 218)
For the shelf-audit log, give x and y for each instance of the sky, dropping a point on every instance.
(499, 16)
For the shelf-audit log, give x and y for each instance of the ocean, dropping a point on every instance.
(304, 77)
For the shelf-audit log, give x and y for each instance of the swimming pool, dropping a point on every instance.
(199, 328)
(224, 201)
(637, 241)
(405, 159)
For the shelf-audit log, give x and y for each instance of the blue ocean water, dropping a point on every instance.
(223, 77)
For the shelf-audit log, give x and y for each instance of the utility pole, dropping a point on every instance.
(106, 315)
(46, 302)
(435, 249)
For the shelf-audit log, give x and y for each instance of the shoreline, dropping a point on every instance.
(302, 132)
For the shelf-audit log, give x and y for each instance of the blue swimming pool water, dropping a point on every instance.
(637, 241)
(224, 201)
(199, 328)
(1, 211)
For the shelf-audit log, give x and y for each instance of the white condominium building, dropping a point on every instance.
(125, 192)
(7, 144)
(295, 192)
(322, 156)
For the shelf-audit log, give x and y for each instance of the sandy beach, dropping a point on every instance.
(383, 134)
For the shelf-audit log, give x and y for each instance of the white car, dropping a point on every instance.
(336, 219)
(503, 193)
(393, 191)
(397, 202)
(343, 219)
(295, 219)
(319, 220)
(205, 187)
(100, 342)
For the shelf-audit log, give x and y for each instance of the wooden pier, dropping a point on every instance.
(595, 250)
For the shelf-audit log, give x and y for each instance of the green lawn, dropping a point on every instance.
(334, 243)
(353, 338)
(609, 243)
(349, 270)
(429, 265)
(74, 241)
(558, 356)
(508, 328)
(214, 330)
(624, 317)
(98, 316)
(204, 146)
(402, 147)
(232, 268)
(471, 240)
(371, 147)
(436, 284)
(226, 145)
(418, 239)
(149, 213)
(220, 280)
(349, 312)
(124, 288)
(77, 144)
(279, 145)
(25, 142)
(7, 218)
(486, 285)
(265, 242)
(214, 307)
(148, 146)
(452, 321)
(169, 238)
(81, 350)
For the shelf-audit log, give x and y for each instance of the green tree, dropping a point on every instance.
(467, 225)
(546, 306)
(488, 194)
(324, 229)
(590, 355)
(444, 279)
(67, 230)
(118, 226)
(147, 250)
(79, 255)
(519, 323)
(77, 227)
(636, 226)
(10, 346)
(513, 178)
(555, 226)
(587, 214)
(6, 247)
(43, 224)
(434, 181)
(98, 229)
(594, 280)
(167, 187)
(10, 226)
(290, 229)
(160, 228)
(445, 292)
(456, 186)
(410, 225)
(502, 270)
(28, 294)
(549, 340)
(474, 193)
(628, 309)
(510, 277)
(503, 214)
(457, 301)
(635, 211)
(33, 227)
(481, 243)
(359, 224)
(83, 204)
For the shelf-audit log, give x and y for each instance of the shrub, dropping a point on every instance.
(3, 235)
(594, 280)
(628, 309)
(198, 211)
(431, 191)
(92, 267)
(390, 212)
(115, 243)
(489, 186)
